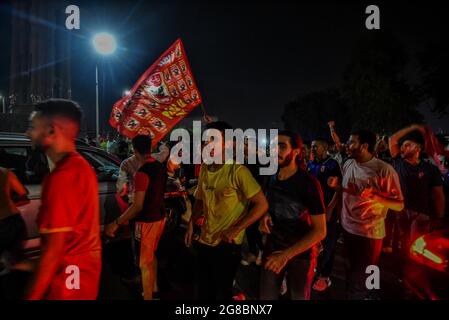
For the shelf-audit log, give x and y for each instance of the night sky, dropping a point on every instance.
(249, 59)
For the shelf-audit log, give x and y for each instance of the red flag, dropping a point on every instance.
(434, 148)
(432, 145)
(163, 96)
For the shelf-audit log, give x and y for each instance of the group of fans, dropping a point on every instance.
(363, 189)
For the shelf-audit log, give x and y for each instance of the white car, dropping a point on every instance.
(31, 166)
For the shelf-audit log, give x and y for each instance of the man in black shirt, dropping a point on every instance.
(421, 182)
(147, 210)
(296, 222)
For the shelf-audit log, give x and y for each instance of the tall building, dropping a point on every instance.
(40, 53)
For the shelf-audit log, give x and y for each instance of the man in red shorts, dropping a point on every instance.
(147, 209)
(69, 218)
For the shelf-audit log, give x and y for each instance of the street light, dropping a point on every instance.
(104, 43)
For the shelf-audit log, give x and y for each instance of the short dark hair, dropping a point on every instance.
(322, 141)
(295, 139)
(63, 108)
(366, 136)
(142, 144)
(218, 125)
(414, 136)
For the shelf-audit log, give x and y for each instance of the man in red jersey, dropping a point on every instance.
(68, 219)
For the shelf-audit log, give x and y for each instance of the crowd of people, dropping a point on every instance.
(112, 143)
(379, 193)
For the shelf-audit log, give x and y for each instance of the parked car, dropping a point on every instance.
(427, 269)
(31, 166)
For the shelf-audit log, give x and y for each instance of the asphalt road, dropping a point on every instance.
(177, 276)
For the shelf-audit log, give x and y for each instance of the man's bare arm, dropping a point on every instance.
(394, 139)
(278, 259)
(316, 234)
(335, 136)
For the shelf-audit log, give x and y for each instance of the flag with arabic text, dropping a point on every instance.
(163, 96)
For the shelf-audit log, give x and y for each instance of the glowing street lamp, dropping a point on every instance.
(104, 44)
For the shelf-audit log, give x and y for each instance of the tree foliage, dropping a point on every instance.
(374, 93)
(434, 68)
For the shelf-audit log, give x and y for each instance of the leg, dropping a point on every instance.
(361, 252)
(12, 232)
(396, 232)
(419, 226)
(404, 224)
(148, 279)
(326, 260)
(155, 285)
(300, 273)
(134, 244)
(389, 228)
(150, 235)
(206, 283)
(226, 263)
(270, 283)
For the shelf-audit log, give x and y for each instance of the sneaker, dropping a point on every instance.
(259, 258)
(341, 240)
(387, 249)
(322, 283)
(284, 288)
(239, 296)
(248, 260)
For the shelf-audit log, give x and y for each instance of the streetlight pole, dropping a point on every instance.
(97, 107)
(104, 44)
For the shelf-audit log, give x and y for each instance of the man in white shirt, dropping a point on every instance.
(369, 188)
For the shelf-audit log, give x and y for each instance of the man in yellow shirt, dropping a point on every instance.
(222, 196)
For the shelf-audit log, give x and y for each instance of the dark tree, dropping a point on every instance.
(374, 93)
(309, 114)
(375, 90)
(434, 70)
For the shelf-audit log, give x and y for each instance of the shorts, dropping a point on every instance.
(148, 234)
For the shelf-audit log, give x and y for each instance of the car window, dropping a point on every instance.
(106, 170)
(30, 166)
